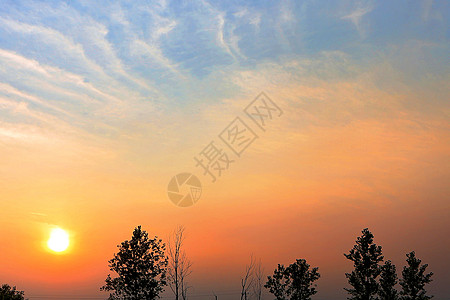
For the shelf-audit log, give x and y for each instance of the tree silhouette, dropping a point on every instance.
(141, 268)
(278, 284)
(179, 265)
(10, 293)
(414, 279)
(366, 257)
(258, 280)
(294, 282)
(388, 280)
(247, 279)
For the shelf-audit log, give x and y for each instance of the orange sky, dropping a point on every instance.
(305, 189)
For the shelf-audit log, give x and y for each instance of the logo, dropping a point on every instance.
(184, 189)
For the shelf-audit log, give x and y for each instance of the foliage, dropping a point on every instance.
(141, 268)
(294, 282)
(414, 279)
(388, 281)
(10, 293)
(366, 256)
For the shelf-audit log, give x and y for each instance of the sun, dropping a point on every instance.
(59, 240)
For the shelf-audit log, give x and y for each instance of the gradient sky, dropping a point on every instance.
(101, 103)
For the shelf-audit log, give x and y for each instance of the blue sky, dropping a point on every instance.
(164, 41)
(170, 54)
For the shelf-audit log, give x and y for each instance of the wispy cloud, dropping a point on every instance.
(356, 15)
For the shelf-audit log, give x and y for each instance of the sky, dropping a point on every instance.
(102, 103)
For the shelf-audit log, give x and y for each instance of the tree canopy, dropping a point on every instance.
(366, 256)
(388, 280)
(296, 282)
(10, 293)
(414, 279)
(140, 266)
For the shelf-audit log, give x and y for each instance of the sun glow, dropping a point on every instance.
(59, 240)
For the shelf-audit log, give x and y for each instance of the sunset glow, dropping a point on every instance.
(59, 240)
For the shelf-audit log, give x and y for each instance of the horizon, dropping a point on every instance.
(109, 112)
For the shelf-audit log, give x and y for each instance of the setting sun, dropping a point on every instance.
(59, 240)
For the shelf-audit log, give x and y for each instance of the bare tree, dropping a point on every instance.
(185, 271)
(247, 280)
(258, 280)
(179, 265)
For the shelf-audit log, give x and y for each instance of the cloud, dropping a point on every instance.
(428, 13)
(10, 90)
(55, 80)
(361, 9)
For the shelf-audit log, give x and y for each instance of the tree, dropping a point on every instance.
(10, 293)
(295, 282)
(141, 268)
(278, 283)
(179, 265)
(414, 279)
(366, 257)
(258, 280)
(247, 280)
(388, 280)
